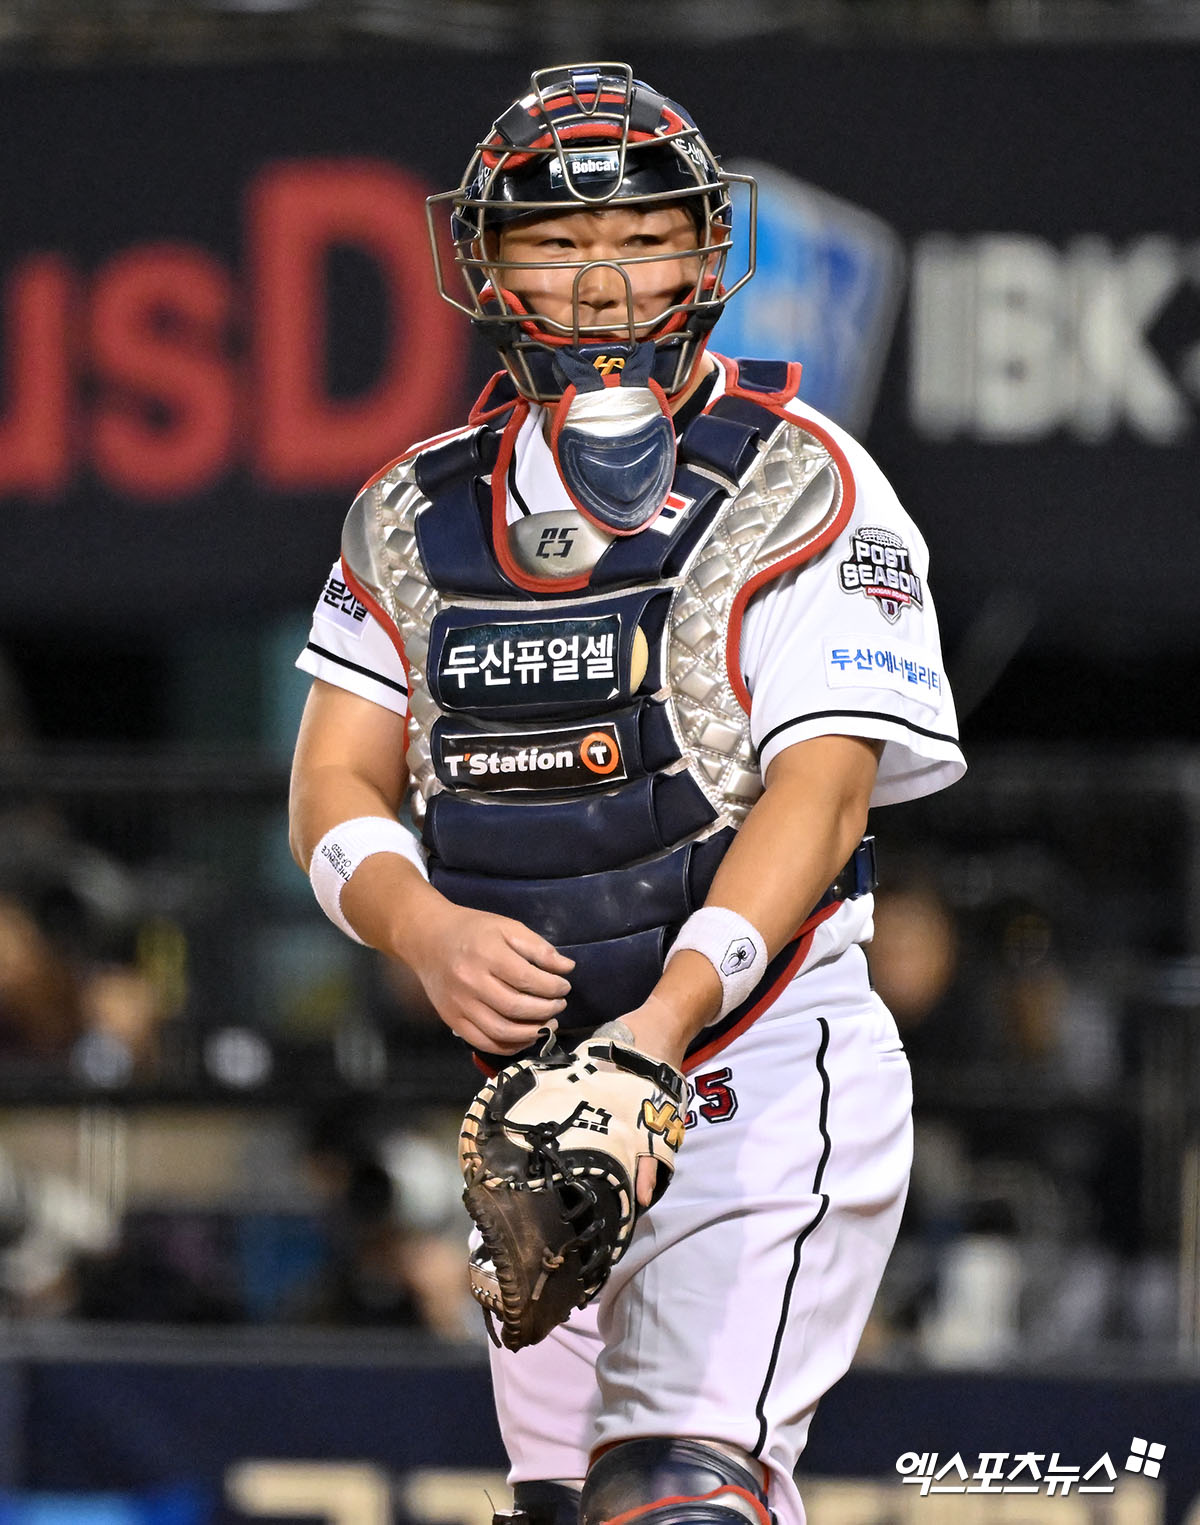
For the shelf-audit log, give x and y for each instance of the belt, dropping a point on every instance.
(857, 878)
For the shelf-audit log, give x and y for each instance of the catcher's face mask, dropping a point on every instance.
(592, 229)
(591, 138)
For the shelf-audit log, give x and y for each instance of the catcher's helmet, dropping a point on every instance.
(584, 138)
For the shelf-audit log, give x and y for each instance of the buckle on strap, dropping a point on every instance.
(856, 879)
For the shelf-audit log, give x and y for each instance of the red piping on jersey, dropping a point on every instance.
(826, 537)
(365, 596)
(770, 995)
(690, 1498)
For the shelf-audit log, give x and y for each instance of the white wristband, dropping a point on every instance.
(732, 946)
(344, 847)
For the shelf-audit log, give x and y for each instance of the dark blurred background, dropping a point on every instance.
(980, 232)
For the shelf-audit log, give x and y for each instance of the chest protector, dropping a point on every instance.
(579, 736)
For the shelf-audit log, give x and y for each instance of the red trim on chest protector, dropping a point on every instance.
(691, 1498)
(772, 400)
(770, 995)
(733, 635)
(389, 629)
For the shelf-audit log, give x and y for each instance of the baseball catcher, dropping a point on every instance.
(640, 644)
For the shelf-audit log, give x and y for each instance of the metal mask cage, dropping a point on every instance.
(484, 203)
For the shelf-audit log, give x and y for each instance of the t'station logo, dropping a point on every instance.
(565, 758)
(880, 567)
(599, 752)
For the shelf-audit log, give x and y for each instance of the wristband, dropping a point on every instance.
(344, 847)
(732, 946)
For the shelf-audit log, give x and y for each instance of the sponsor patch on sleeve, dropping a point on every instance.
(338, 606)
(865, 661)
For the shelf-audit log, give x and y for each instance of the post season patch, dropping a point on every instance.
(338, 606)
(866, 661)
(565, 758)
(531, 661)
(880, 567)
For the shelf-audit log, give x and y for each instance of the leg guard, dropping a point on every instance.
(663, 1481)
(541, 1504)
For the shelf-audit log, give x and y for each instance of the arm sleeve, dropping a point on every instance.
(848, 645)
(348, 647)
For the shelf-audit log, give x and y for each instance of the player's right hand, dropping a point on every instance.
(492, 980)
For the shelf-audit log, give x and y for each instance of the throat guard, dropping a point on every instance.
(612, 436)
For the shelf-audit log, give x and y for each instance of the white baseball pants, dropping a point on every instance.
(745, 1290)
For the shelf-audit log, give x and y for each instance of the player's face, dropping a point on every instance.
(540, 260)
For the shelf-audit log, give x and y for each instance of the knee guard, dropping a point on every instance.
(541, 1504)
(663, 1481)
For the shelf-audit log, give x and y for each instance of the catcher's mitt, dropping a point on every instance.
(549, 1150)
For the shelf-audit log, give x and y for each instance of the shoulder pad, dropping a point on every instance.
(358, 542)
(362, 533)
(800, 463)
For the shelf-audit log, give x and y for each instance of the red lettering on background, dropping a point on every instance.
(166, 411)
(298, 213)
(35, 427)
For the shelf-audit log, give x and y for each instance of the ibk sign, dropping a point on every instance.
(164, 369)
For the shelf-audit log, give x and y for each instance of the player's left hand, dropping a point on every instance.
(552, 1152)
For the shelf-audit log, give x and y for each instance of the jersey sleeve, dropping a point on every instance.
(350, 648)
(848, 644)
